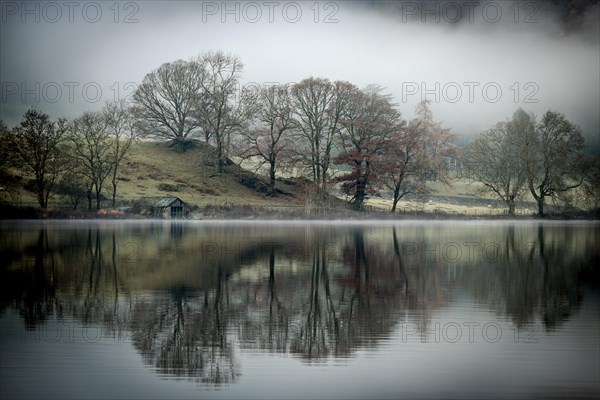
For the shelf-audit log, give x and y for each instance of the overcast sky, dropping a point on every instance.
(64, 58)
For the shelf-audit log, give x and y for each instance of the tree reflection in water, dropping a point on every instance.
(539, 274)
(336, 290)
(185, 334)
(31, 290)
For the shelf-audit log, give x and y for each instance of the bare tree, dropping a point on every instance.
(416, 154)
(591, 184)
(319, 106)
(6, 153)
(91, 148)
(220, 112)
(166, 102)
(437, 140)
(403, 166)
(8, 159)
(554, 158)
(119, 124)
(37, 142)
(270, 137)
(497, 158)
(73, 185)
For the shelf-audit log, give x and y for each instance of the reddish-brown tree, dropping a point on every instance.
(370, 123)
(404, 163)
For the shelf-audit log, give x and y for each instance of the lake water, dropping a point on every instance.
(157, 309)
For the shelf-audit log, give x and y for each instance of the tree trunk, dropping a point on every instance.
(219, 155)
(271, 191)
(89, 198)
(41, 199)
(361, 186)
(115, 171)
(40, 193)
(395, 200)
(539, 199)
(98, 194)
(358, 202)
(114, 185)
(511, 206)
(540, 204)
(359, 197)
(318, 175)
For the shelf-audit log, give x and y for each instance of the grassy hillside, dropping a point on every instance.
(155, 169)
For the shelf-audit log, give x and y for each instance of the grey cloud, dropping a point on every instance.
(555, 61)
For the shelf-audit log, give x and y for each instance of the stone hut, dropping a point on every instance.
(164, 207)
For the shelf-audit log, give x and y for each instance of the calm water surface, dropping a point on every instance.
(155, 309)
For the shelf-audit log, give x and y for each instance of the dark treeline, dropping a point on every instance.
(331, 132)
(76, 159)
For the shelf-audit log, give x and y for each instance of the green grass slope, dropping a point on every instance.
(155, 169)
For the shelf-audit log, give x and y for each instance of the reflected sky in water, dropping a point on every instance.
(155, 309)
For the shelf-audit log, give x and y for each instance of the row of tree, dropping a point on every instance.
(311, 126)
(523, 155)
(316, 124)
(73, 158)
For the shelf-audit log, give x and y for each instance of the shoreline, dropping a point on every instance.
(257, 213)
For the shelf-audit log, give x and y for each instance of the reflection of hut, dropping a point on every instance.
(164, 207)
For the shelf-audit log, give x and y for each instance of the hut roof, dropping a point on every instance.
(161, 201)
